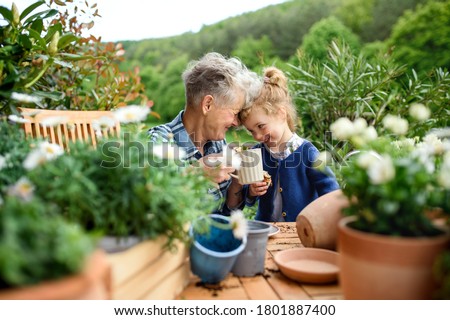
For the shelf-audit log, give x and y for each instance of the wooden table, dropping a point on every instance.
(272, 285)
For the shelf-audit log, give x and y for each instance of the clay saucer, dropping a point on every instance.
(309, 265)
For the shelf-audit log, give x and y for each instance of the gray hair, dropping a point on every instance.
(220, 77)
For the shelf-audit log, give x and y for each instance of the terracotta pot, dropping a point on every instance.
(317, 222)
(92, 283)
(375, 266)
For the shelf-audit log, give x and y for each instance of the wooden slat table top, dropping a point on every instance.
(272, 285)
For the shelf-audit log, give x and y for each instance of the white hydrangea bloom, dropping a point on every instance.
(342, 129)
(433, 143)
(444, 173)
(419, 112)
(359, 126)
(370, 134)
(382, 170)
(131, 114)
(396, 124)
(365, 160)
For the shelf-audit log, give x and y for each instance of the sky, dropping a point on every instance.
(144, 19)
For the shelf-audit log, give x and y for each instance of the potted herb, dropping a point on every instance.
(127, 188)
(43, 256)
(390, 241)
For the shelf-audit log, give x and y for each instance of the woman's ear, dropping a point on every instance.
(207, 102)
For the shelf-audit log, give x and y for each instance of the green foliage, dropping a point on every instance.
(169, 95)
(13, 150)
(255, 53)
(356, 14)
(441, 271)
(422, 37)
(317, 41)
(122, 188)
(37, 245)
(44, 56)
(345, 86)
(350, 86)
(392, 189)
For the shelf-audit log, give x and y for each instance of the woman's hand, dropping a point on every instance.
(215, 169)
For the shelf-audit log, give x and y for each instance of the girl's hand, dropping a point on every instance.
(258, 189)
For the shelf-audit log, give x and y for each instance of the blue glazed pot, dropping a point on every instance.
(212, 255)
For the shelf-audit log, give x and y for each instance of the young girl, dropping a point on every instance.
(288, 158)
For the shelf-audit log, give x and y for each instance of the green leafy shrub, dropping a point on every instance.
(45, 61)
(350, 86)
(13, 150)
(124, 187)
(38, 245)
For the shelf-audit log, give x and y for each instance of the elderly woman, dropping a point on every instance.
(216, 89)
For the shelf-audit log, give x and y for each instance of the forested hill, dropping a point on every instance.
(284, 25)
(417, 29)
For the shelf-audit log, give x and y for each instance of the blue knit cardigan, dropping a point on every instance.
(300, 183)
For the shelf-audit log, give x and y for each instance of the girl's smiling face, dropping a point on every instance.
(271, 130)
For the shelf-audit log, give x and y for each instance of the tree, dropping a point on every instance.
(254, 53)
(317, 41)
(421, 38)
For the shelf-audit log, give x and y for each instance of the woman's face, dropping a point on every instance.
(223, 117)
(271, 130)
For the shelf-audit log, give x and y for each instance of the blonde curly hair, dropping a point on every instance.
(274, 95)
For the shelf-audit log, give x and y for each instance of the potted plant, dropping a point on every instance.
(390, 239)
(43, 256)
(217, 242)
(126, 188)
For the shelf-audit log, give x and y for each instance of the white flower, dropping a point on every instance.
(342, 129)
(433, 143)
(35, 158)
(44, 152)
(2, 162)
(238, 224)
(168, 151)
(370, 134)
(419, 112)
(404, 143)
(365, 159)
(103, 123)
(444, 173)
(25, 98)
(395, 124)
(23, 189)
(381, 171)
(17, 119)
(359, 126)
(50, 150)
(131, 114)
(53, 121)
